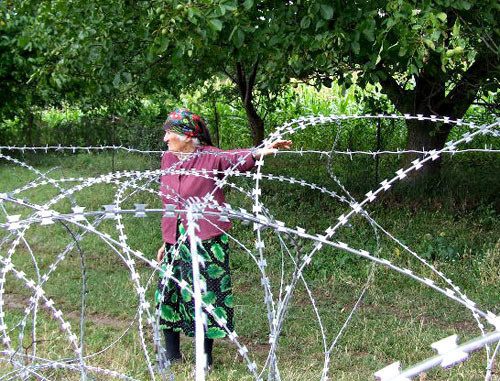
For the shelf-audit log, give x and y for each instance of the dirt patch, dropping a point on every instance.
(18, 302)
(254, 344)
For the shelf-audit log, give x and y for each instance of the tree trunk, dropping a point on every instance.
(29, 128)
(246, 84)
(216, 123)
(256, 124)
(425, 136)
(429, 97)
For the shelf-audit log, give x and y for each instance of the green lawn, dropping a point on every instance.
(456, 229)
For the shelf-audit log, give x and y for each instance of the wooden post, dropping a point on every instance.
(216, 124)
(379, 144)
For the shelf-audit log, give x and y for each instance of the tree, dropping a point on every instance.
(433, 57)
(89, 54)
(19, 92)
(108, 46)
(246, 42)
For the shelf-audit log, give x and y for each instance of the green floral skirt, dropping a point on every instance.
(176, 306)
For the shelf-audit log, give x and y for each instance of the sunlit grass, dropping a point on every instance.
(397, 321)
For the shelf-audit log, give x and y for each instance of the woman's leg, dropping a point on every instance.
(209, 343)
(167, 297)
(172, 344)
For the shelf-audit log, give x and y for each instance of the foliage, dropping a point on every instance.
(431, 58)
(15, 62)
(439, 248)
(407, 41)
(85, 44)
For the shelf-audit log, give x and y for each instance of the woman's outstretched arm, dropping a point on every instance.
(272, 148)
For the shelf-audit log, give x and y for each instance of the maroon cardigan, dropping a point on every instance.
(178, 188)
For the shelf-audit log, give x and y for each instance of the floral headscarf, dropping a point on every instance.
(184, 122)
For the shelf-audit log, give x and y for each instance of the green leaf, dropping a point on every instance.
(442, 16)
(215, 333)
(327, 82)
(169, 314)
(127, 76)
(174, 297)
(435, 35)
(116, 80)
(456, 28)
(218, 252)
(192, 16)
(248, 4)
(23, 41)
(225, 284)
(240, 38)
(220, 312)
(231, 6)
(157, 296)
(185, 253)
(326, 11)
(164, 43)
(355, 47)
(150, 54)
(305, 22)
(229, 301)
(215, 271)
(185, 314)
(209, 297)
(190, 275)
(203, 253)
(429, 43)
(466, 5)
(186, 295)
(368, 33)
(216, 24)
(320, 24)
(232, 34)
(274, 40)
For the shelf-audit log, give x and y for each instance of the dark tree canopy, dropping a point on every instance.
(431, 57)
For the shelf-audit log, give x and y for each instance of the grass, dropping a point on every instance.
(455, 228)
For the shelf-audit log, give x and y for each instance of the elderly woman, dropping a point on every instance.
(190, 149)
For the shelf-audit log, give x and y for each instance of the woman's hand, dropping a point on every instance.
(161, 253)
(272, 148)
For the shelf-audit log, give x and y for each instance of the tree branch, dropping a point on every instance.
(251, 81)
(229, 75)
(394, 91)
(465, 91)
(241, 81)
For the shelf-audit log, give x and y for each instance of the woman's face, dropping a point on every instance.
(178, 143)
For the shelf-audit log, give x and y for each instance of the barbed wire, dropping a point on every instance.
(129, 184)
(330, 153)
